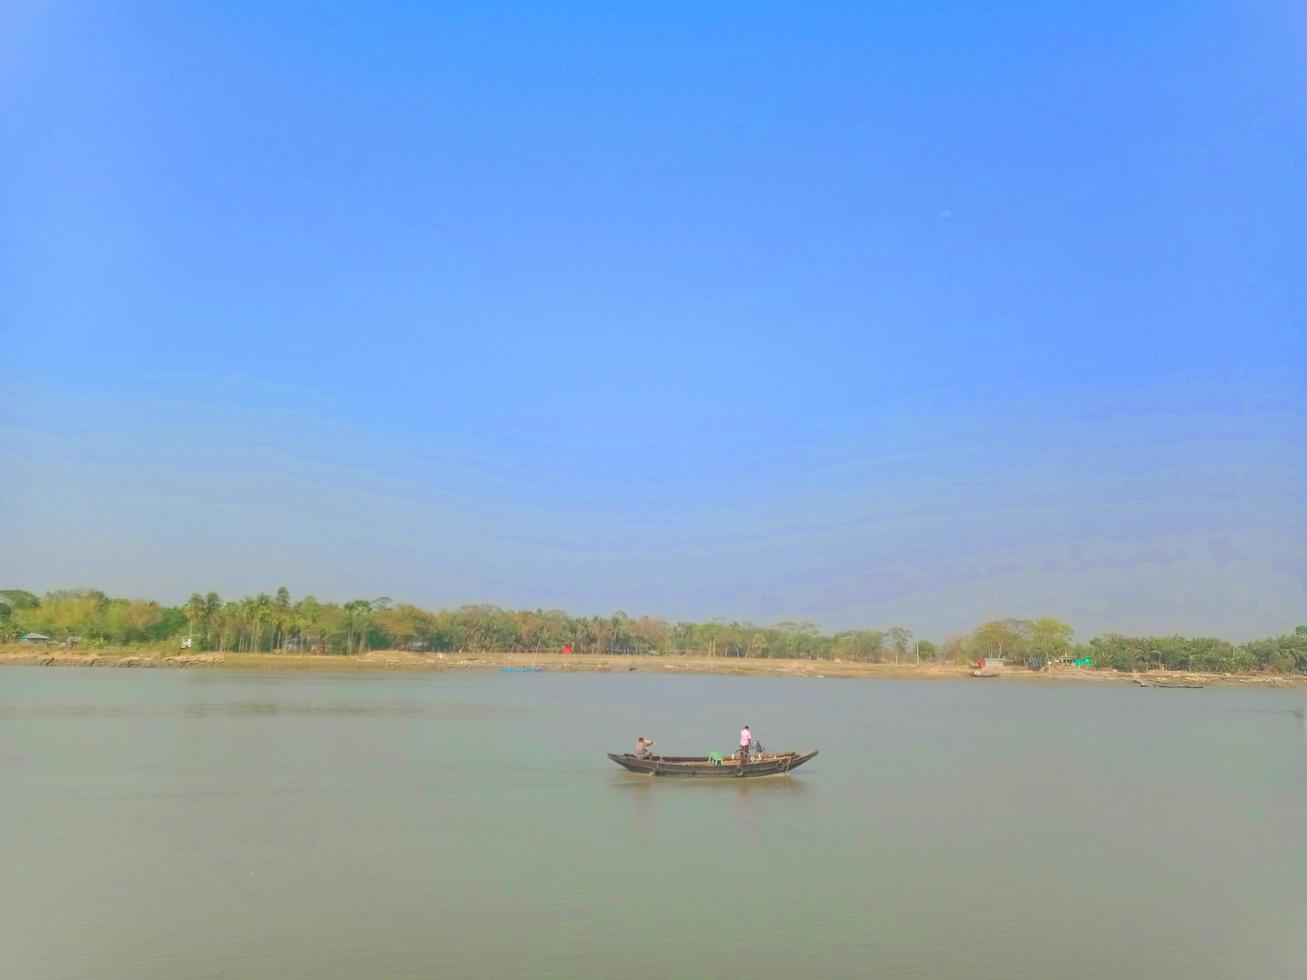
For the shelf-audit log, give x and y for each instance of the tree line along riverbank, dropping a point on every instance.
(87, 620)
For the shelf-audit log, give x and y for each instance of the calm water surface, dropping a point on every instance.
(209, 824)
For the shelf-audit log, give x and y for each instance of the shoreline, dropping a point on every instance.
(391, 660)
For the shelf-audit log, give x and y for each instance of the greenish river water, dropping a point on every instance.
(178, 823)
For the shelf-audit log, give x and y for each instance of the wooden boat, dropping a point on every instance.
(770, 764)
(520, 670)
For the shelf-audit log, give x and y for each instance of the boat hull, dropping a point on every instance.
(700, 768)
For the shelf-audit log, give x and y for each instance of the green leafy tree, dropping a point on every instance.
(66, 613)
(899, 640)
(11, 599)
(1005, 638)
(1050, 639)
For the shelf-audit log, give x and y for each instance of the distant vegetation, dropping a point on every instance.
(275, 622)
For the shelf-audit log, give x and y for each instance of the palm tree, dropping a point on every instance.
(307, 618)
(358, 622)
(230, 617)
(194, 611)
(261, 612)
(244, 615)
(281, 616)
(212, 609)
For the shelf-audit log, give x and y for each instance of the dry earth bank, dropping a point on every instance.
(676, 664)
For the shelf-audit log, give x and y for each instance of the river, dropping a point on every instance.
(168, 823)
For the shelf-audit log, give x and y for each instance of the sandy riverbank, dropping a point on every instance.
(401, 660)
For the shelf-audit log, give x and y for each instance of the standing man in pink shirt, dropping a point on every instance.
(746, 743)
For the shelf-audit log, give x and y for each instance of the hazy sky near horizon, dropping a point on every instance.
(859, 313)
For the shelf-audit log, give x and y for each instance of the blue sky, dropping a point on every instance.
(859, 313)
